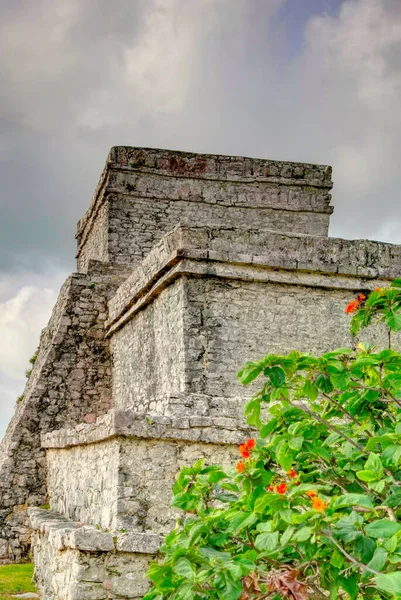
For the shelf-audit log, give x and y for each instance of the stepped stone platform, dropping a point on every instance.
(189, 265)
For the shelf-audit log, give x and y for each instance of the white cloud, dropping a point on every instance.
(348, 84)
(24, 311)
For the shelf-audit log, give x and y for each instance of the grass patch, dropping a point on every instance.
(15, 579)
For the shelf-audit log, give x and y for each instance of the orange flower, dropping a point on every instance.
(250, 444)
(281, 488)
(241, 466)
(319, 504)
(292, 473)
(361, 297)
(271, 488)
(378, 289)
(311, 493)
(243, 450)
(352, 307)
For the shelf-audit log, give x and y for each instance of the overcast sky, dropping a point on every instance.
(302, 80)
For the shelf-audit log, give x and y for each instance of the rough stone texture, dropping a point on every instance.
(75, 562)
(204, 301)
(136, 372)
(134, 492)
(157, 334)
(70, 382)
(147, 473)
(224, 427)
(82, 483)
(353, 262)
(143, 193)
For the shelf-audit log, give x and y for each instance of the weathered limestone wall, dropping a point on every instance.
(118, 473)
(223, 297)
(97, 243)
(82, 483)
(148, 354)
(143, 193)
(70, 382)
(229, 321)
(85, 489)
(148, 470)
(107, 557)
(73, 562)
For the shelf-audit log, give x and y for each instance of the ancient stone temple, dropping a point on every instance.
(187, 266)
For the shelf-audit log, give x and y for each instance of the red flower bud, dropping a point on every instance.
(241, 466)
(281, 488)
(243, 450)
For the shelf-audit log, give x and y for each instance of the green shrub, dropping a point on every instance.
(313, 507)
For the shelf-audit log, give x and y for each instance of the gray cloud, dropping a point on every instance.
(267, 78)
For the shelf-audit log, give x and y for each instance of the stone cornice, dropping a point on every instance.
(254, 256)
(64, 533)
(127, 423)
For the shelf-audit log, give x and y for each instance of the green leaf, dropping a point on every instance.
(393, 321)
(350, 585)
(391, 455)
(396, 282)
(296, 442)
(365, 547)
(302, 534)
(216, 476)
(252, 413)
(391, 543)
(266, 541)
(346, 530)
(211, 553)
(227, 588)
(183, 592)
(310, 390)
(196, 530)
(268, 428)
(340, 380)
(287, 535)
(284, 456)
(389, 582)
(394, 499)
(185, 500)
(394, 558)
(323, 383)
(383, 528)
(267, 526)
(161, 575)
(353, 500)
(367, 475)
(276, 375)
(241, 520)
(374, 464)
(337, 559)
(184, 568)
(250, 371)
(379, 560)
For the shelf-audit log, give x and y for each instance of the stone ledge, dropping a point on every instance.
(175, 163)
(64, 533)
(254, 255)
(127, 423)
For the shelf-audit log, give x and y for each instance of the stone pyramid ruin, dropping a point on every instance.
(188, 265)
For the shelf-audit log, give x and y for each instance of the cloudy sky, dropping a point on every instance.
(303, 80)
